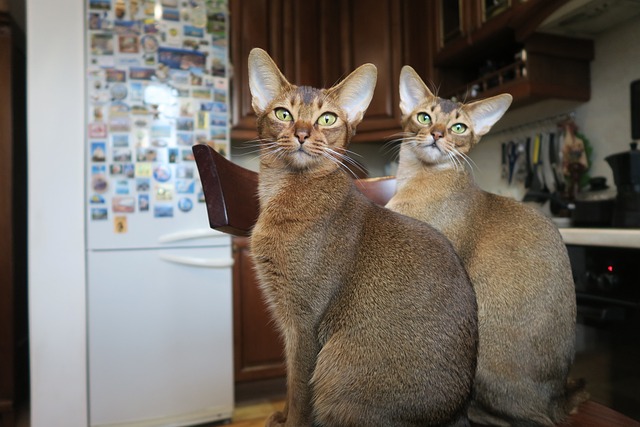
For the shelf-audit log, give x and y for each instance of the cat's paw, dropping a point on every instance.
(277, 419)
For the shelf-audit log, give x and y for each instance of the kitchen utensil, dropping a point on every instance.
(542, 164)
(536, 191)
(556, 164)
(512, 157)
(503, 162)
(527, 151)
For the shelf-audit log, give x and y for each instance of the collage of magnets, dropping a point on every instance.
(156, 85)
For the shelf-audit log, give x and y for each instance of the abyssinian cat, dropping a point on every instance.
(377, 313)
(515, 258)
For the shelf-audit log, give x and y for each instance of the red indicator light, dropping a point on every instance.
(610, 268)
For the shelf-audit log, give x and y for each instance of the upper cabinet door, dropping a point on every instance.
(319, 42)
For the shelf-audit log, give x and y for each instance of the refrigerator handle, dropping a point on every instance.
(188, 235)
(198, 262)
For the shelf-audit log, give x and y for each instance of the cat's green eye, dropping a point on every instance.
(327, 119)
(283, 114)
(424, 118)
(458, 128)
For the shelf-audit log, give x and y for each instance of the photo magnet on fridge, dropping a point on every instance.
(99, 214)
(98, 152)
(185, 204)
(120, 224)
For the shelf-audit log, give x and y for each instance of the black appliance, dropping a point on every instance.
(608, 324)
(607, 283)
(594, 207)
(626, 174)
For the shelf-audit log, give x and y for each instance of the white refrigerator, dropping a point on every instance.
(159, 280)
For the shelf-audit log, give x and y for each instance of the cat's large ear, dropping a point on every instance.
(265, 79)
(413, 91)
(486, 112)
(354, 93)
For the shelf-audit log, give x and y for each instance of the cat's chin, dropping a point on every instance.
(300, 160)
(430, 154)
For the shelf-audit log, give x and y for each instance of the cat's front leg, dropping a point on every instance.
(302, 354)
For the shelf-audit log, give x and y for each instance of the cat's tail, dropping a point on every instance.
(575, 394)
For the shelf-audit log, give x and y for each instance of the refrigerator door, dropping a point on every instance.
(160, 336)
(156, 84)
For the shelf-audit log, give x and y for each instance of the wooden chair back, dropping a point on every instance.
(231, 191)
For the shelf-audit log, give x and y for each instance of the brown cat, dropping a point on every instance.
(514, 255)
(377, 313)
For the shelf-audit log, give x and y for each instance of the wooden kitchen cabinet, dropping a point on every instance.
(466, 25)
(483, 48)
(258, 348)
(318, 42)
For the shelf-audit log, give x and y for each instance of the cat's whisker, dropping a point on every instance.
(453, 160)
(396, 143)
(393, 141)
(397, 136)
(343, 159)
(349, 152)
(257, 149)
(467, 159)
(392, 147)
(452, 155)
(257, 146)
(336, 157)
(278, 153)
(252, 143)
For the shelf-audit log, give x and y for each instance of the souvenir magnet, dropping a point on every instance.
(120, 224)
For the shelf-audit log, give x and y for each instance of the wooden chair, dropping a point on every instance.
(230, 193)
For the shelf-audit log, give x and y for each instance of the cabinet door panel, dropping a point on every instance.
(374, 36)
(258, 347)
(251, 26)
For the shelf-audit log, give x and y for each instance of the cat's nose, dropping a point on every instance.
(436, 135)
(302, 135)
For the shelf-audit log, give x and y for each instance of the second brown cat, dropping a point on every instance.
(515, 258)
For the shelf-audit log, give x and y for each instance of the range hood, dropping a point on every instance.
(589, 18)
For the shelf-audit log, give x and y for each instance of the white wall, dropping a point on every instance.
(55, 82)
(605, 120)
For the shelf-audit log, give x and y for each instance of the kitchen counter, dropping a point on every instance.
(613, 237)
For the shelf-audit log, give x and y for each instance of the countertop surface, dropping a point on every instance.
(613, 237)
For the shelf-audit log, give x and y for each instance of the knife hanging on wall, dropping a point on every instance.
(535, 191)
(554, 160)
(512, 157)
(529, 178)
(504, 172)
(542, 163)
